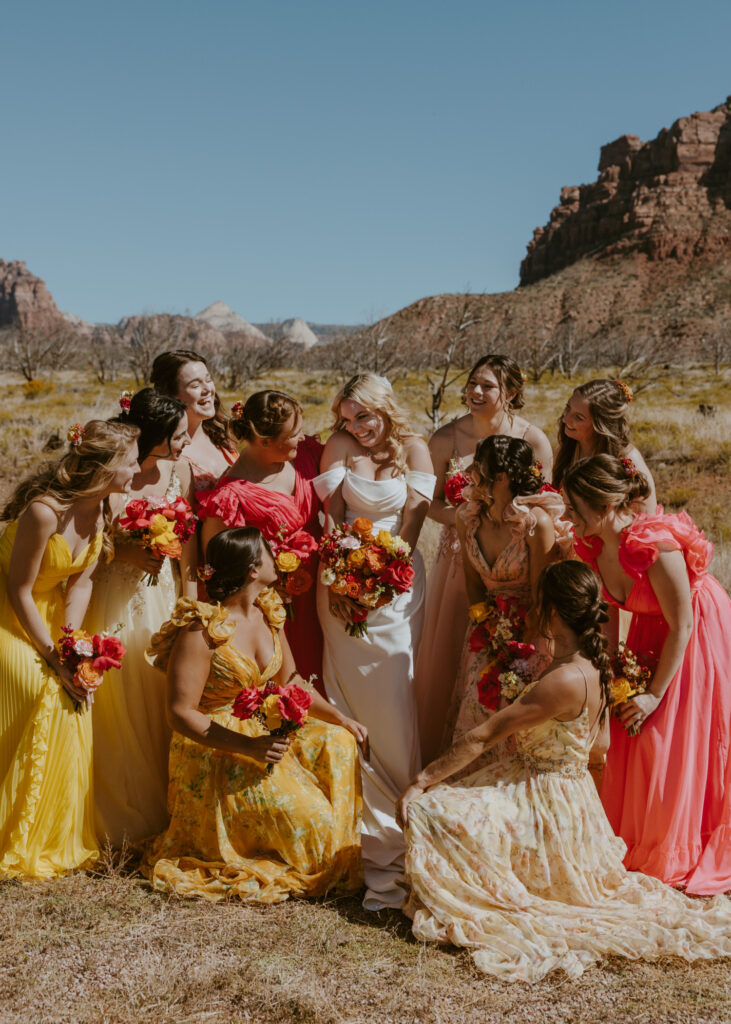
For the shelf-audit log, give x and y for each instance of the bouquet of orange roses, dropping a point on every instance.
(89, 656)
(162, 526)
(282, 710)
(631, 676)
(371, 570)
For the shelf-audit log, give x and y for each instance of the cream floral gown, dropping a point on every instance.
(518, 864)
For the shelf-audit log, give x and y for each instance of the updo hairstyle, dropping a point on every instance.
(375, 393)
(232, 554)
(157, 416)
(263, 415)
(508, 375)
(572, 590)
(164, 378)
(608, 402)
(512, 456)
(604, 481)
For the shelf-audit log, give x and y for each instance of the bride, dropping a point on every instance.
(375, 466)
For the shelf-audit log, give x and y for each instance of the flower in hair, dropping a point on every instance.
(536, 469)
(524, 377)
(237, 410)
(205, 572)
(125, 400)
(75, 434)
(625, 389)
(628, 466)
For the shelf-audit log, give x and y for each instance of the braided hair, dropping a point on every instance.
(263, 415)
(512, 456)
(572, 590)
(232, 554)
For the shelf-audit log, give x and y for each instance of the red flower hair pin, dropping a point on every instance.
(75, 434)
(237, 410)
(625, 389)
(205, 572)
(536, 469)
(628, 466)
(125, 400)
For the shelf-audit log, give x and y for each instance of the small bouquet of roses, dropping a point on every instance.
(89, 656)
(290, 551)
(455, 483)
(162, 526)
(282, 710)
(631, 676)
(371, 570)
(500, 623)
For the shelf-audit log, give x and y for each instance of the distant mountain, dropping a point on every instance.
(223, 318)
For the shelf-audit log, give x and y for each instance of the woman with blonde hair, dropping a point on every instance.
(375, 466)
(667, 784)
(493, 397)
(595, 422)
(56, 531)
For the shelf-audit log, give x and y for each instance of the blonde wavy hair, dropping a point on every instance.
(84, 471)
(376, 394)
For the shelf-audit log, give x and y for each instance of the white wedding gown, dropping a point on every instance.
(371, 680)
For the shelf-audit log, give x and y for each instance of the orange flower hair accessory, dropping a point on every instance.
(205, 572)
(237, 410)
(629, 467)
(536, 469)
(76, 434)
(625, 389)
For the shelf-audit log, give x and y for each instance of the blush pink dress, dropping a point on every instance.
(242, 503)
(667, 790)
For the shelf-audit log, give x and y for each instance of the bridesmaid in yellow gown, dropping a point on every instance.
(53, 538)
(236, 829)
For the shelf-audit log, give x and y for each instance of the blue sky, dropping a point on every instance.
(334, 161)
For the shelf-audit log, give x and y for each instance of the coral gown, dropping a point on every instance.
(46, 800)
(667, 791)
(241, 503)
(237, 830)
(518, 864)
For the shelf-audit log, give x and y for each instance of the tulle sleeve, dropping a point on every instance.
(423, 483)
(307, 460)
(186, 613)
(328, 482)
(220, 503)
(271, 604)
(648, 535)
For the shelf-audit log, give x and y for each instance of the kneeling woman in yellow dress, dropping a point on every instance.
(252, 816)
(47, 554)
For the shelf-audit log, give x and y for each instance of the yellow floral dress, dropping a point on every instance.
(46, 800)
(235, 829)
(519, 864)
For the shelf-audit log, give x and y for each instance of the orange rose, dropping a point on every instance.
(87, 676)
(352, 590)
(376, 562)
(298, 582)
(362, 526)
(339, 587)
(173, 549)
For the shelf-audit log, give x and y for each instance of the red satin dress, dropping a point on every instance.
(667, 790)
(295, 517)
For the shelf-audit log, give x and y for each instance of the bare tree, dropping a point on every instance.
(104, 355)
(569, 350)
(151, 335)
(456, 329)
(246, 357)
(32, 350)
(716, 345)
(536, 354)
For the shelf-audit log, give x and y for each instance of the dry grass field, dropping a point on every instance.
(104, 949)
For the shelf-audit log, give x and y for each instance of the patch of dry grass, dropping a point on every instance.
(97, 950)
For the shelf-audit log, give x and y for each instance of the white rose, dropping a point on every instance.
(327, 577)
(350, 543)
(84, 648)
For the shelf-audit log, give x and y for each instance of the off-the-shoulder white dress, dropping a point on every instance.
(371, 679)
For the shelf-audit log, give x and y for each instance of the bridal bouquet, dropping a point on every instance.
(290, 550)
(455, 483)
(89, 656)
(369, 569)
(500, 623)
(162, 526)
(282, 710)
(631, 677)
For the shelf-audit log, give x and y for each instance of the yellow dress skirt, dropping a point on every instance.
(46, 800)
(235, 829)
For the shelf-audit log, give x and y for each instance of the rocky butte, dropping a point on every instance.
(25, 300)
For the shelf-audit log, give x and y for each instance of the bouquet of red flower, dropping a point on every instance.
(500, 624)
(89, 656)
(282, 710)
(290, 551)
(162, 526)
(370, 570)
(454, 484)
(631, 676)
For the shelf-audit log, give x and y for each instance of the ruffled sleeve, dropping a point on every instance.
(328, 482)
(522, 513)
(271, 604)
(422, 483)
(588, 549)
(221, 502)
(186, 613)
(307, 460)
(648, 535)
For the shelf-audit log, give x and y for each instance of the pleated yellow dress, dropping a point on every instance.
(236, 830)
(46, 800)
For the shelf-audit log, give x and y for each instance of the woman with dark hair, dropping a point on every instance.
(131, 735)
(270, 486)
(253, 816)
(594, 422)
(183, 374)
(56, 530)
(493, 396)
(509, 529)
(517, 862)
(667, 785)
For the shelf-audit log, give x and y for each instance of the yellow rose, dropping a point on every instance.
(270, 710)
(479, 611)
(356, 558)
(383, 537)
(161, 531)
(621, 690)
(288, 561)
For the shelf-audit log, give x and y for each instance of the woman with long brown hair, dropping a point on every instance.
(54, 537)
